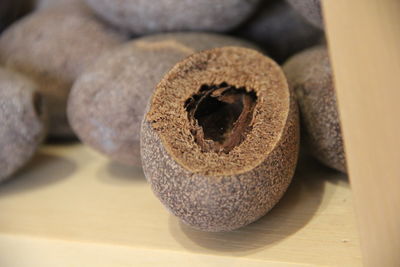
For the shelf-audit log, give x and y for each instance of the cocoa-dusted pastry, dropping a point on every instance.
(220, 139)
(144, 16)
(43, 4)
(309, 73)
(53, 47)
(108, 101)
(280, 30)
(22, 122)
(311, 10)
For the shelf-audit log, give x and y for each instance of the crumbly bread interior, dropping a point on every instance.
(221, 111)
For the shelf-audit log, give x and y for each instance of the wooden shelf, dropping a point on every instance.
(72, 207)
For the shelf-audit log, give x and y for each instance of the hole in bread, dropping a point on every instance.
(220, 116)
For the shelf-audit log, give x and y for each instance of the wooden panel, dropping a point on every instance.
(364, 39)
(73, 206)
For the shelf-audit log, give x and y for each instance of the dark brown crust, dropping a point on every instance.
(310, 76)
(22, 122)
(223, 202)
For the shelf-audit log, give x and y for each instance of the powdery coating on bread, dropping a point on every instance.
(43, 4)
(279, 29)
(144, 16)
(221, 202)
(22, 124)
(53, 47)
(310, 75)
(311, 10)
(107, 102)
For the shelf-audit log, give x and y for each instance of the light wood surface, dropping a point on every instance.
(364, 39)
(72, 207)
